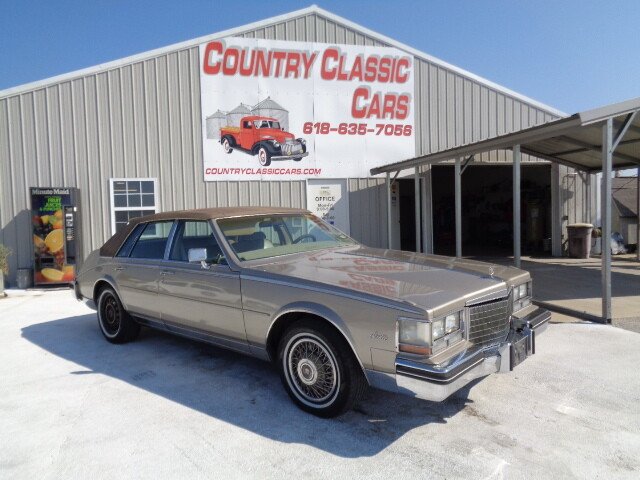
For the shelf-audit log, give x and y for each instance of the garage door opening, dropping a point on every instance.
(487, 210)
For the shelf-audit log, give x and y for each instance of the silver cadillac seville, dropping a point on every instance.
(333, 315)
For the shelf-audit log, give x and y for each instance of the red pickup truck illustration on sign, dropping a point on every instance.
(263, 136)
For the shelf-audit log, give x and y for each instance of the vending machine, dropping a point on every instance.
(55, 220)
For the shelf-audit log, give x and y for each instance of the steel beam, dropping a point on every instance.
(517, 157)
(418, 208)
(388, 186)
(607, 154)
(628, 121)
(458, 193)
(596, 148)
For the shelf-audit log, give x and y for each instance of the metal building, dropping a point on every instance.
(270, 108)
(234, 116)
(215, 122)
(139, 118)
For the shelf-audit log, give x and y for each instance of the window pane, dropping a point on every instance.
(194, 235)
(119, 187)
(122, 216)
(119, 200)
(147, 186)
(148, 200)
(153, 241)
(134, 200)
(133, 187)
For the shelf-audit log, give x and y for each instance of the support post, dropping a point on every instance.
(388, 185)
(607, 139)
(458, 201)
(517, 156)
(418, 204)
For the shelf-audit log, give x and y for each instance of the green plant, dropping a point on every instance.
(5, 252)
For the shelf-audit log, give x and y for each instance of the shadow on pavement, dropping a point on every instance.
(236, 389)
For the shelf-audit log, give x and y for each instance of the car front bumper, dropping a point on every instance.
(437, 382)
(290, 157)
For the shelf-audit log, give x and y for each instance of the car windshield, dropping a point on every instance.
(265, 236)
(267, 124)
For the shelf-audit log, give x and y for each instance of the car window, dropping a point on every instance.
(127, 246)
(152, 241)
(193, 234)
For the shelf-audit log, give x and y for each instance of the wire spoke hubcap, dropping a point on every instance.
(311, 370)
(111, 315)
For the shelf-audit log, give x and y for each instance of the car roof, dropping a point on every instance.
(111, 247)
(258, 117)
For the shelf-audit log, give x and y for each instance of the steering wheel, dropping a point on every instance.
(306, 235)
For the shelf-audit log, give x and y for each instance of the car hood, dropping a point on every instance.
(431, 282)
(279, 135)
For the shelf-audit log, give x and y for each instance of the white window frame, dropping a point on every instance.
(114, 209)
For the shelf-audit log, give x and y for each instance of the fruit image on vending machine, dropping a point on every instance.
(55, 224)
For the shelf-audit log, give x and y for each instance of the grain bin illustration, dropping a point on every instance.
(270, 108)
(214, 123)
(235, 115)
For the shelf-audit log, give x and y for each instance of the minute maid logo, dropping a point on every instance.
(50, 191)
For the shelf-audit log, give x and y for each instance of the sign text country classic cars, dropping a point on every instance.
(299, 110)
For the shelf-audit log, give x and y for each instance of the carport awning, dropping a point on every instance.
(575, 141)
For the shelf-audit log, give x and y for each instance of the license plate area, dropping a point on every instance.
(519, 351)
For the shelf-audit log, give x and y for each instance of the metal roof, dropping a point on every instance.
(575, 141)
(311, 10)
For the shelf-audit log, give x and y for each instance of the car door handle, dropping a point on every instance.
(118, 269)
(167, 272)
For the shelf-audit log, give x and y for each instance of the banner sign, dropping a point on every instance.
(278, 110)
(328, 199)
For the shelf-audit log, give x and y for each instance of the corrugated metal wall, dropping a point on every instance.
(143, 120)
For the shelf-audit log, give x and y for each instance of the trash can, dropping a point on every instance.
(579, 239)
(24, 278)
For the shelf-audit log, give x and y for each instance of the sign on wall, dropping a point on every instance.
(329, 200)
(277, 110)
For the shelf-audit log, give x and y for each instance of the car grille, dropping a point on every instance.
(291, 148)
(489, 322)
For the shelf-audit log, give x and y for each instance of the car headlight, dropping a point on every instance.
(522, 296)
(426, 338)
(275, 143)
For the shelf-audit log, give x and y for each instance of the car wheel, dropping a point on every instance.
(263, 157)
(116, 324)
(227, 146)
(318, 369)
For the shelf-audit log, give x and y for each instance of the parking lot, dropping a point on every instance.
(74, 406)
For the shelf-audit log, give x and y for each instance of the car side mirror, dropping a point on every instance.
(197, 255)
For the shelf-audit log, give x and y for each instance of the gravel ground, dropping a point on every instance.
(74, 406)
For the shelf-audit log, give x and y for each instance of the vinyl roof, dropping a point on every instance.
(111, 247)
(575, 141)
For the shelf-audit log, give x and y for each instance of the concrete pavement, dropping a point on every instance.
(75, 406)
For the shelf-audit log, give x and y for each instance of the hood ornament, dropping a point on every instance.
(491, 271)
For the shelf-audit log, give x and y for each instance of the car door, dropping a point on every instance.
(247, 133)
(204, 301)
(136, 268)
